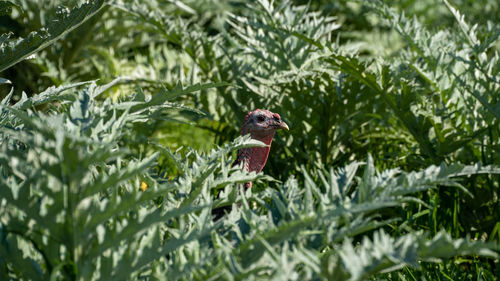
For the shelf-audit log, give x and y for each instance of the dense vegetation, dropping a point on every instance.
(120, 119)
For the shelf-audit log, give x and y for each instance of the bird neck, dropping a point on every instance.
(257, 156)
(266, 138)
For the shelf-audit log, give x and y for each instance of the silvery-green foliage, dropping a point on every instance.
(88, 197)
(283, 57)
(72, 198)
(276, 58)
(15, 51)
(385, 253)
(308, 232)
(440, 77)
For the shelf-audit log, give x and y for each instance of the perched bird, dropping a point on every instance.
(261, 125)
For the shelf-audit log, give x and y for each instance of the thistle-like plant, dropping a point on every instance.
(80, 203)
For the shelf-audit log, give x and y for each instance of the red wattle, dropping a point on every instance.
(258, 155)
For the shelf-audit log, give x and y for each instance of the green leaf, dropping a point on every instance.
(15, 52)
(17, 250)
(251, 250)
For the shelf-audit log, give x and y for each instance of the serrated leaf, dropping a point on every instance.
(37, 40)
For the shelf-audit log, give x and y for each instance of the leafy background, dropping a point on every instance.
(119, 120)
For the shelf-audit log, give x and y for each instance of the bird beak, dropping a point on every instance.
(283, 125)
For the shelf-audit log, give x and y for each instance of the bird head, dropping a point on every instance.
(261, 123)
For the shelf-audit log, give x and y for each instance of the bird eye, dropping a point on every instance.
(261, 118)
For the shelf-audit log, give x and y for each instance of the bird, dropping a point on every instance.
(261, 124)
